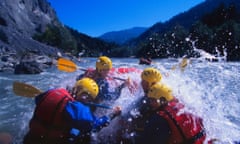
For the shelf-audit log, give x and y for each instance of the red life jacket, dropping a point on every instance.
(91, 73)
(124, 70)
(186, 128)
(117, 72)
(48, 120)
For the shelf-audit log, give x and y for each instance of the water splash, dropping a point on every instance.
(210, 90)
(207, 56)
(206, 90)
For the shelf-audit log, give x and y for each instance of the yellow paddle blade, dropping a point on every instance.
(22, 89)
(66, 65)
(183, 64)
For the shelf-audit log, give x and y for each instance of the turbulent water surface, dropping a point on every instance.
(208, 89)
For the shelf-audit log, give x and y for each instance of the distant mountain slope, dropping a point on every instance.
(186, 19)
(122, 36)
(212, 26)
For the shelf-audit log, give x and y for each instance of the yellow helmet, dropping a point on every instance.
(159, 90)
(151, 75)
(103, 63)
(87, 85)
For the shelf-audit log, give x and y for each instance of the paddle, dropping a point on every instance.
(22, 89)
(98, 105)
(183, 64)
(26, 90)
(69, 66)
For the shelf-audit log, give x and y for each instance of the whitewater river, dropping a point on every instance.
(210, 90)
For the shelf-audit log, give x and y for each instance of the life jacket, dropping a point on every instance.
(124, 70)
(114, 79)
(48, 120)
(122, 73)
(114, 72)
(90, 73)
(186, 128)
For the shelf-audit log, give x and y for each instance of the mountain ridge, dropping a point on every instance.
(122, 36)
(195, 13)
(168, 39)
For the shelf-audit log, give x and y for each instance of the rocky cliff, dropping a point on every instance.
(19, 21)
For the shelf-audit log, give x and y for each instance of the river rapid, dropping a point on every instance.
(208, 89)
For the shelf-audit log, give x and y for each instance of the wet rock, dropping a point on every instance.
(146, 61)
(28, 68)
(32, 63)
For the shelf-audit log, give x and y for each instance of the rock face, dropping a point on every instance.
(19, 21)
(32, 64)
(26, 15)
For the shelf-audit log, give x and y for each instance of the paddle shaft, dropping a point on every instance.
(98, 105)
(27, 90)
(69, 66)
(117, 78)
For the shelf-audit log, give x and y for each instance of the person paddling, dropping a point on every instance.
(166, 122)
(102, 76)
(62, 118)
(126, 127)
(147, 125)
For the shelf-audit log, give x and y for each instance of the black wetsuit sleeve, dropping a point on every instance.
(156, 131)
